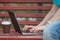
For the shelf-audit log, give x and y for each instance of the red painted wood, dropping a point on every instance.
(26, 8)
(40, 1)
(20, 39)
(17, 36)
(14, 35)
(25, 22)
(32, 15)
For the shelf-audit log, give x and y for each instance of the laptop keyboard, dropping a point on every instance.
(26, 31)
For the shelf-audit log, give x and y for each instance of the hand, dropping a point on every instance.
(27, 28)
(37, 29)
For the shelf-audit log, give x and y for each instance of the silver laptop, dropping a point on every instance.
(16, 25)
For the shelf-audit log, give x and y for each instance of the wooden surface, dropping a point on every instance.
(26, 8)
(14, 35)
(17, 36)
(32, 15)
(40, 1)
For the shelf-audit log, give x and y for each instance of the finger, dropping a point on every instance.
(27, 28)
(32, 30)
(36, 30)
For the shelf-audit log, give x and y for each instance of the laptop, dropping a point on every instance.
(16, 25)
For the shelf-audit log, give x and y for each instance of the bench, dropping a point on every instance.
(25, 7)
(41, 6)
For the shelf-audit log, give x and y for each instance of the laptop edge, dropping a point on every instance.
(14, 22)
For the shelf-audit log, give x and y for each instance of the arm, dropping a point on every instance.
(47, 18)
(49, 15)
(43, 24)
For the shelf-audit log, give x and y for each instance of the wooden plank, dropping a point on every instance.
(40, 1)
(13, 35)
(21, 38)
(26, 8)
(38, 15)
(25, 22)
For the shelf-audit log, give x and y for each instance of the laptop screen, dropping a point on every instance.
(14, 22)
